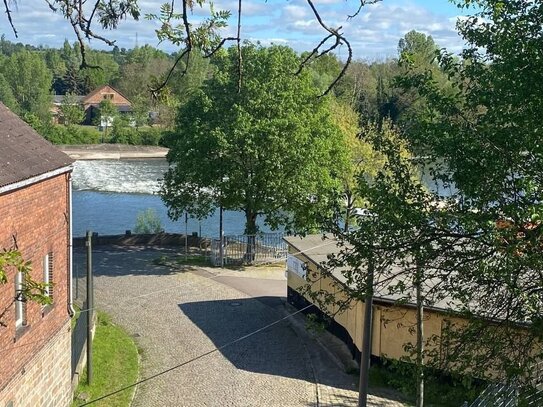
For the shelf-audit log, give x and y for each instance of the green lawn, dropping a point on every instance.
(115, 366)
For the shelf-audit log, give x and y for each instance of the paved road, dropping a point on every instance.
(176, 317)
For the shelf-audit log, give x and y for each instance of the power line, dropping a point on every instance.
(164, 290)
(227, 273)
(163, 372)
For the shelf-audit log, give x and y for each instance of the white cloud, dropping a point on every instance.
(373, 34)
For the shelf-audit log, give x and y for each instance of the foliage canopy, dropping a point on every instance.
(270, 149)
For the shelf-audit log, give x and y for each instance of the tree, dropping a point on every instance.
(30, 82)
(6, 94)
(71, 111)
(107, 113)
(419, 46)
(269, 150)
(483, 138)
(392, 251)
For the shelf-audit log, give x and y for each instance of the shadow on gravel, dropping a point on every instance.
(274, 349)
(114, 261)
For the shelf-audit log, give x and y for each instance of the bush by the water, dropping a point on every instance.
(59, 134)
(120, 133)
(148, 222)
(143, 136)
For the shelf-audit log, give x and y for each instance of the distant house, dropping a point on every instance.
(35, 218)
(91, 103)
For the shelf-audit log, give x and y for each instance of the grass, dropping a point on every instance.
(115, 366)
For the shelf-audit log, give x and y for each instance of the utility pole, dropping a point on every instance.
(420, 336)
(90, 305)
(366, 338)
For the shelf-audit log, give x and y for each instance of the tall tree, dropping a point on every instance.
(30, 82)
(483, 138)
(71, 111)
(269, 149)
(419, 46)
(6, 94)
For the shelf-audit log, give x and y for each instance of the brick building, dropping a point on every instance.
(35, 217)
(91, 102)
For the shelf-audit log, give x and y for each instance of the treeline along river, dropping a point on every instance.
(109, 194)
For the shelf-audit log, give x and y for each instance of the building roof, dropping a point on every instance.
(99, 89)
(318, 248)
(58, 99)
(23, 152)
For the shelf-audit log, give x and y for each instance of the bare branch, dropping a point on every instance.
(8, 12)
(313, 53)
(240, 60)
(53, 8)
(89, 21)
(340, 39)
(155, 91)
(218, 47)
(361, 5)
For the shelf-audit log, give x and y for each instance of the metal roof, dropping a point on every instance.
(318, 248)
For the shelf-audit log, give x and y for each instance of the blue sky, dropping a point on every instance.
(374, 33)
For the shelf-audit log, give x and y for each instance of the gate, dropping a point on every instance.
(249, 249)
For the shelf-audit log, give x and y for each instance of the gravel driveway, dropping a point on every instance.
(176, 317)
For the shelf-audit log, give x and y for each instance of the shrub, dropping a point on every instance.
(148, 222)
(151, 136)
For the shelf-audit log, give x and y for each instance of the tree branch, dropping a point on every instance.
(340, 39)
(8, 12)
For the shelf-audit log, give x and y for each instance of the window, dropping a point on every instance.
(108, 96)
(20, 307)
(48, 274)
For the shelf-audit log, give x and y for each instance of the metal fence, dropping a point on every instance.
(249, 249)
(507, 395)
(79, 331)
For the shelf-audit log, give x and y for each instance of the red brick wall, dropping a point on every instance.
(36, 217)
(46, 381)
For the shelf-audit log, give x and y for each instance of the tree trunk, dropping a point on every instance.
(420, 338)
(348, 211)
(250, 230)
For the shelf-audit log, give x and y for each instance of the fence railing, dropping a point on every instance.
(508, 395)
(249, 249)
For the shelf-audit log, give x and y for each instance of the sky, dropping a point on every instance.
(373, 34)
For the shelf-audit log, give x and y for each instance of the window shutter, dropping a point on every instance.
(50, 271)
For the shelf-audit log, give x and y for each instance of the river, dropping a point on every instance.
(109, 194)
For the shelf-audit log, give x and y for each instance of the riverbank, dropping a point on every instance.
(112, 151)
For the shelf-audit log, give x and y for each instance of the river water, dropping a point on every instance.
(109, 194)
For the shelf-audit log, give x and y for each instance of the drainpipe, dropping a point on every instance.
(71, 310)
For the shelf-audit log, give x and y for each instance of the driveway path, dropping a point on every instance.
(176, 317)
